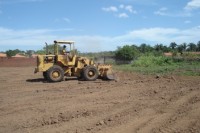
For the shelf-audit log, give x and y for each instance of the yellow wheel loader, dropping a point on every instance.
(62, 63)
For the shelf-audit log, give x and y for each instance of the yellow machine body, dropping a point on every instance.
(55, 66)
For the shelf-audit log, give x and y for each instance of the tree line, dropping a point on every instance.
(126, 52)
(27, 53)
(129, 52)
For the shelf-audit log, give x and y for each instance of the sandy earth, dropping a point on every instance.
(17, 62)
(132, 104)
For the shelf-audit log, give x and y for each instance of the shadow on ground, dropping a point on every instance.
(37, 80)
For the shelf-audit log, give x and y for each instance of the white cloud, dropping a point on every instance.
(27, 37)
(123, 15)
(193, 4)
(187, 21)
(88, 43)
(58, 20)
(36, 37)
(164, 35)
(110, 9)
(67, 20)
(141, 2)
(128, 8)
(165, 12)
(161, 11)
(124, 11)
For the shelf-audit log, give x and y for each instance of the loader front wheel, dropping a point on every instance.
(55, 74)
(90, 73)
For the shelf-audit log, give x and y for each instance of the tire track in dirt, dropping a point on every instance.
(179, 110)
(110, 109)
(155, 119)
(135, 103)
(106, 101)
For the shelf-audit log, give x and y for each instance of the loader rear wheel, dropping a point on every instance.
(90, 73)
(55, 74)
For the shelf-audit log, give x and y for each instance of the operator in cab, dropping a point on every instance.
(64, 51)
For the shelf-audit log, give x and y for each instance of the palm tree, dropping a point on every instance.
(173, 45)
(159, 47)
(143, 48)
(184, 45)
(180, 48)
(192, 47)
(198, 46)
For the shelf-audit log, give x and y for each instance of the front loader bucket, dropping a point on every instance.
(106, 72)
(109, 75)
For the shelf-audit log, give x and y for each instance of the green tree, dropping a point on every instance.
(144, 48)
(41, 52)
(192, 47)
(173, 45)
(126, 53)
(134, 46)
(50, 48)
(184, 45)
(159, 47)
(166, 49)
(180, 48)
(29, 53)
(198, 46)
(158, 50)
(11, 53)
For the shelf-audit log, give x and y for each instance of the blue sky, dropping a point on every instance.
(97, 25)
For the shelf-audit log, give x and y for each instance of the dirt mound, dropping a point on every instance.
(133, 103)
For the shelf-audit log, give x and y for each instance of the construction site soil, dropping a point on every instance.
(133, 103)
(17, 62)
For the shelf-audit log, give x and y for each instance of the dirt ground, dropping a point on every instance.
(132, 104)
(17, 62)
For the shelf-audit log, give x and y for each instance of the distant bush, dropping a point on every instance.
(126, 53)
(11, 53)
(191, 55)
(147, 61)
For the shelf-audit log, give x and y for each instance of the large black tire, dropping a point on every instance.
(55, 74)
(45, 75)
(90, 73)
(80, 77)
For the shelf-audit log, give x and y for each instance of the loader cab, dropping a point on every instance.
(64, 44)
(55, 57)
(65, 57)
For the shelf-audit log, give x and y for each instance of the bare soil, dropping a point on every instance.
(17, 62)
(132, 104)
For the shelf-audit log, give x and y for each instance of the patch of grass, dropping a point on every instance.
(149, 61)
(191, 73)
(161, 65)
(188, 68)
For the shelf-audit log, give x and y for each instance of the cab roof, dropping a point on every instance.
(64, 42)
